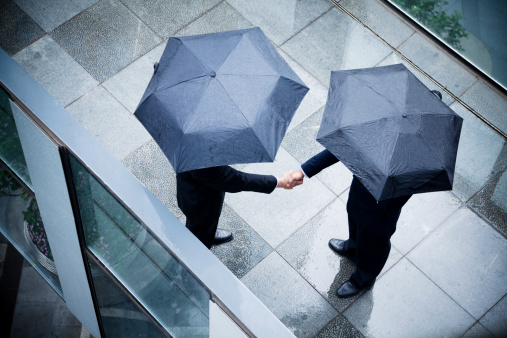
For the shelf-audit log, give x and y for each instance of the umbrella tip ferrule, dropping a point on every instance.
(212, 74)
(404, 115)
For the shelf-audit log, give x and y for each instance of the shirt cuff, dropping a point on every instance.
(304, 172)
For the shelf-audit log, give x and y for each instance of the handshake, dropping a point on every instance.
(290, 179)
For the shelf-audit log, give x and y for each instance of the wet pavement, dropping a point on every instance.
(447, 271)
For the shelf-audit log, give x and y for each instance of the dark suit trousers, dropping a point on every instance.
(371, 253)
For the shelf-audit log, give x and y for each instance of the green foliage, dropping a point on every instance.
(430, 14)
(10, 146)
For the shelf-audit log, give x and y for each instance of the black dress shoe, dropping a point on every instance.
(349, 289)
(222, 236)
(338, 246)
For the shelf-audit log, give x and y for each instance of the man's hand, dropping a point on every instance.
(288, 181)
(298, 177)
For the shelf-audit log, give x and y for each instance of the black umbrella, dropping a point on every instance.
(219, 99)
(393, 133)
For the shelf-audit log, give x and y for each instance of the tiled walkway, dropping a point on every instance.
(447, 272)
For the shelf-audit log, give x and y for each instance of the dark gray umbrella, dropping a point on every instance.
(219, 99)
(393, 133)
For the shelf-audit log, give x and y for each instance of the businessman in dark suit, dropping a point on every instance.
(371, 226)
(201, 194)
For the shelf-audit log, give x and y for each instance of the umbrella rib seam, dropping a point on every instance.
(248, 122)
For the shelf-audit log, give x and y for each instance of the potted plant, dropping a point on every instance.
(34, 231)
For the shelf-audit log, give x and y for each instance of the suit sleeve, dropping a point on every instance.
(319, 162)
(228, 179)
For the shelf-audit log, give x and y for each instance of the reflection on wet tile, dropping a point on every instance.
(129, 84)
(476, 256)
(405, 303)
(491, 202)
(221, 18)
(281, 19)
(104, 117)
(308, 252)
(478, 331)
(167, 17)
(17, 30)
(150, 166)
(496, 319)
(420, 216)
(105, 38)
(289, 296)
(488, 103)
(55, 70)
(277, 215)
(313, 100)
(320, 52)
(393, 58)
(437, 64)
(51, 14)
(482, 154)
(340, 327)
(379, 19)
(301, 143)
(245, 250)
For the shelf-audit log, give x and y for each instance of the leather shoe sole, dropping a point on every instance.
(349, 289)
(337, 245)
(222, 236)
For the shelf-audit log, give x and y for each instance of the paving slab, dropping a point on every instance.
(105, 38)
(113, 125)
(152, 168)
(487, 103)
(245, 250)
(380, 20)
(221, 18)
(340, 327)
(482, 154)
(51, 14)
(491, 202)
(55, 70)
(32, 319)
(478, 331)
(277, 215)
(280, 20)
(496, 319)
(17, 30)
(422, 214)
(166, 17)
(308, 252)
(462, 256)
(437, 64)
(406, 303)
(289, 296)
(128, 85)
(320, 52)
(313, 100)
(42, 293)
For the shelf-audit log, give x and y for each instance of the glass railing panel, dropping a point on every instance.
(11, 152)
(474, 29)
(154, 277)
(120, 316)
(20, 219)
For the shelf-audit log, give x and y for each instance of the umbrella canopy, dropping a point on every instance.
(219, 99)
(392, 132)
